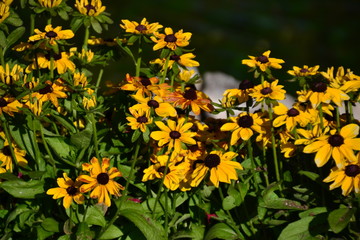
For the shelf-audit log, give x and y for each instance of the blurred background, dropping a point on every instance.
(310, 32)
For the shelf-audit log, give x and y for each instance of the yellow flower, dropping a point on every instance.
(7, 2)
(89, 100)
(61, 62)
(90, 7)
(243, 126)
(6, 158)
(140, 119)
(8, 76)
(101, 180)
(51, 34)
(173, 176)
(263, 62)
(237, 96)
(68, 189)
(9, 105)
(185, 60)
(4, 11)
(110, 42)
(268, 90)
(140, 84)
(175, 135)
(51, 92)
(170, 39)
(340, 146)
(50, 3)
(220, 166)
(186, 75)
(348, 177)
(290, 117)
(346, 82)
(304, 71)
(144, 27)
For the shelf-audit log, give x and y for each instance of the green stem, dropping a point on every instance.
(160, 188)
(138, 61)
(95, 137)
(86, 38)
(162, 80)
(8, 138)
(32, 24)
(51, 158)
(2, 59)
(52, 67)
(351, 113)
(98, 81)
(337, 118)
(273, 145)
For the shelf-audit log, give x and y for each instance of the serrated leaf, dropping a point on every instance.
(221, 231)
(21, 189)
(339, 218)
(94, 216)
(112, 232)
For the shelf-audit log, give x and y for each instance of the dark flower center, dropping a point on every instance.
(293, 112)
(46, 90)
(175, 57)
(336, 140)
(3, 102)
(51, 34)
(193, 148)
(262, 59)
(153, 103)
(319, 87)
(161, 169)
(6, 151)
(142, 119)
(89, 7)
(170, 38)
(141, 28)
(190, 94)
(352, 170)
(196, 162)
(194, 128)
(55, 56)
(145, 81)
(246, 84)
(212, 160)
(304, 70)
(103, 178)
(266, 91)
(245, 121)
(175, 134)
(71, 190)
(329, 117)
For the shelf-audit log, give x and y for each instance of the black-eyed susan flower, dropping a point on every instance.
(7, 2)
(185, 60)
(304, 71)
(50, 3)
(140, 119)
(101, 180)
(190, 98)
(68, 189)
(9, 75)
(290, 117)
(144, 27)
(6, 158)
(221, 166)
(110, 42)
(52, 34)
(345, 81)
(161, 108)
(243, 126)
(4, 11)
(238, 95)
(173, 175)
(170, 39)
(90, 7)
(347, 177)
(268, 90)
(140, 84)
(61, 62)
(263, 62)
(187, 75)
(340, 146)
(174, 134)
(89, 99)
(51, 92)
(9, 105)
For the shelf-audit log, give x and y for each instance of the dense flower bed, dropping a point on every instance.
(84, 157)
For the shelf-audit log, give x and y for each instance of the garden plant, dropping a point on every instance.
(135, 157)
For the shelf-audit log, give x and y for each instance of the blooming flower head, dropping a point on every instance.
(340, 146)
(68, 189)
(268, 90)
(61, 62)
(263, 62)
(6, 157)
(184, 60)
(243, 126)
(220, 166)
(110, 42)
(89, 99)
(144, 27)
(51, 92)
(51, 34)
(290, 117)
(90, 7)
(238, 95)
(174, 134)
(140, 119)
(347, 177)
(10, 75)
(304, 71)
(140, 84)
(50, 3)
(9, 105)
(4, 11)
(345, 81)
(170, 39)
(101, 180)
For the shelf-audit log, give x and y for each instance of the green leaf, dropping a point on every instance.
(24, 138)
(14, 36)
(14, 19)
(42, 234)
(2, 39)
(221, 231)
(310, 175)
(64, 122)
(149, 228)
(83, 232)
(111, 232)
(21, 189)
(283, 203)
(94, 216)
(136, 135)
(63, 14)
(76, 24)
(229, 203)
(60, 145)
(312, 212)
(339, 218)
(51, 225)
(82, 139)
(96, 25)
